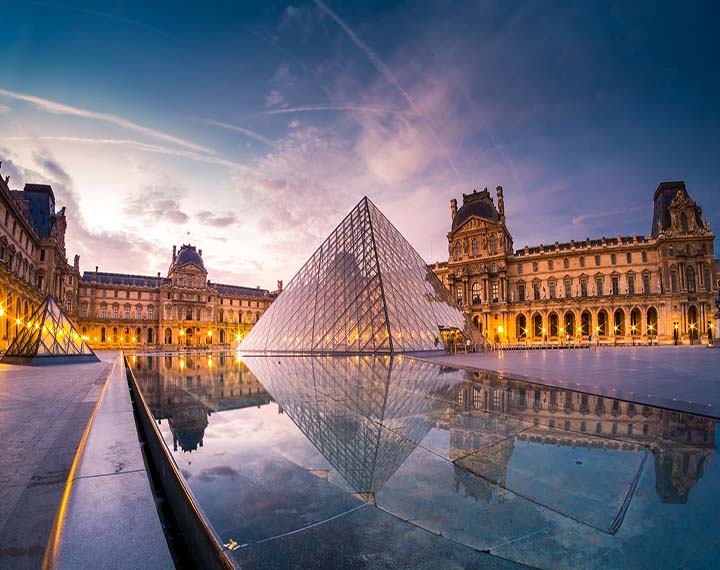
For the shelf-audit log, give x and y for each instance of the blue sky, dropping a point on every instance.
(256, 126)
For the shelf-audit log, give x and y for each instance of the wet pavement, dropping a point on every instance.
(43, 414)
(366, 462)
(679, 377)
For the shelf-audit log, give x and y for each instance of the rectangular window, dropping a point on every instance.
(115, 312)
(127, 312)
(646, 284)
(42, 255)
(521, 292)
(150, 312)
(536, 291)
(708, 285)
(673, 281)
(535, 266)
(644, 256)
(597, 260)
(495, 291)
(583, 288)
(613, 259)
(566, 263)
(599, 286)
(459, 291)
(631, 284)
(550, 264)
(552, 289)
(628, 256)
(568, 288)
(127, 294)
(116, 294)
(615, 286)
(103, 312)
(520, 268)
(582, 262)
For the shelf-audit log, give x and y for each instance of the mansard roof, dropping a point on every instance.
(581, 244)
(478, 204)
(239, 290)
(123, 279)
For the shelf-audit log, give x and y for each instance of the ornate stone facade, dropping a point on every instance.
(617, 289)
(112, 310)
(183, 309)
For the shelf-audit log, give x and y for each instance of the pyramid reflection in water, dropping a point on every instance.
(366, 415)
(48, 337)
(365, 290)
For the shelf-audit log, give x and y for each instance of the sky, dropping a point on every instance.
(251, 128)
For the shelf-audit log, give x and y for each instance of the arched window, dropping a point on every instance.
(602, 323)
(690, 276)
(635, 326)
(222, 336)
(458, 250)
(683, 222)
(554, 328)
(476, 293)
(493, 245)
(102, 334)
(150, 335)
(475, 248)
(569, 324)
(168, 336)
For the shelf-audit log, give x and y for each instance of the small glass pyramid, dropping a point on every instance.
(48, 337)
(365, 290)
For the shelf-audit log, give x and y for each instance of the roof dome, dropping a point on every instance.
(188, 254)
(478, 204)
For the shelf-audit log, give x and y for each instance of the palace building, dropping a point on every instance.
(112, 310)
(654, 287)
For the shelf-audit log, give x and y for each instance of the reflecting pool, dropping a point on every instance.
(391, 462)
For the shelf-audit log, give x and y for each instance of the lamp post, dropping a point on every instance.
(676, 333)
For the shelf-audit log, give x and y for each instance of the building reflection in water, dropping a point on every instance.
(366, 415)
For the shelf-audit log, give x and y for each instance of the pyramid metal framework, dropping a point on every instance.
(48, 337)
(365, 290)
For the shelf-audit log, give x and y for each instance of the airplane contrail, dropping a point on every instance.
(389, 76)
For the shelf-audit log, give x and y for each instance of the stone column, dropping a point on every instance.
(716, 330)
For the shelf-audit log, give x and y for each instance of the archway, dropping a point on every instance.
(602, 323)
(138, 335)
(619, 322)
(586, 323)
(222, 336)
(150, 336)
(538, 329)
(635, 324)
(693, 326)
(570, 323)
(554, 324)
(652, 321)
(189, 338)
(168, 336)
(521, 327)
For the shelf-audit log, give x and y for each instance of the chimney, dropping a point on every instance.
(279, 285)
(96, 269)
(453, 208)
(158, 275)
(174, 253)
(200, 252)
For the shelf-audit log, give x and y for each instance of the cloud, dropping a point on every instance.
(274, 98)
(217, 220)
(137, 145)
(56, 108)
(4, 109)
(236, 128)
(585, 220)
(127, 250)
(211, 473)
(155, 203)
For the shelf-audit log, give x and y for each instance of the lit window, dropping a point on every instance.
(116, 311)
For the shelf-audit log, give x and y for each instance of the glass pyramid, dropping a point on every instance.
(365, 290)
(48, 337)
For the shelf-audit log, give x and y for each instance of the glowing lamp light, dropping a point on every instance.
(209, 333)
(2, 311)
(543, 330)
(18, 321)
(597, 329)
(182, 332)
(562, 329)
(134, 339)
(500, 329)
(237, 336)
(182, 364)
(675, 326)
